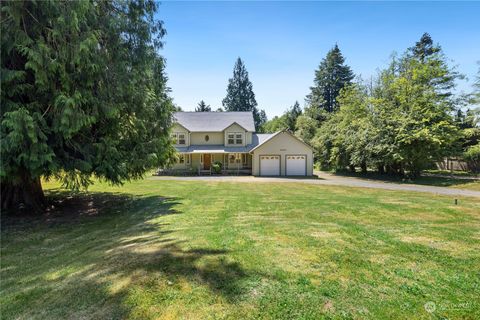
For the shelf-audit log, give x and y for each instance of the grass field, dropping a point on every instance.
(457, 180)
(195, 250)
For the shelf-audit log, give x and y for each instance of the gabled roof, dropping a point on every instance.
(271, 136)
(214, 121)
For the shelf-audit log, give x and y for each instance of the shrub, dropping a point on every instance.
(472, 157)
(217, 167)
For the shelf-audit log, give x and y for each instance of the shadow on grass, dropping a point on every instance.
(423, 180)
(99, 255)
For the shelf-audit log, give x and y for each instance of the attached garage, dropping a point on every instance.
(296, 165)
(282, 154)
(269, 165)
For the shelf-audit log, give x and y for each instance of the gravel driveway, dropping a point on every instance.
(330, 179)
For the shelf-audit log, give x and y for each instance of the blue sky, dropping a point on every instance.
(282, 43)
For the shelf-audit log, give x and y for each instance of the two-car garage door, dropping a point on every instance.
(295, 165)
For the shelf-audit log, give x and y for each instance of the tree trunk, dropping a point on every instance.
(364, 167)
(26, 196)
(381, 169)
(352, 168)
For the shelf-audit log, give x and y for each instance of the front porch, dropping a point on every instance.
(211, 163)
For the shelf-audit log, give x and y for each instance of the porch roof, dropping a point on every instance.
(257, 139)
(213, 149)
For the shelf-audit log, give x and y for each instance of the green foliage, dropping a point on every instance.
(332, 75)
(306, 128)
(240, 96)
(424, 48)
(287, 121)
(217, 167)
(291, 116)
(203, 107)
(472, 156)
(403, 124)
(83, 91)
(275, 124)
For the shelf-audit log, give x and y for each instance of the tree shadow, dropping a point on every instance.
(74, 260)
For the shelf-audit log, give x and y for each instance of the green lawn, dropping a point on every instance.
(195, 250)
(456, 180)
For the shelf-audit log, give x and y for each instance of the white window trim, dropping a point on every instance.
(176, 138)
(234, 139)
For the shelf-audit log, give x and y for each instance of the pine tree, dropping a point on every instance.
(203, 107)
(83, 94)
(291, 116)
(240, 96)
(332, 75)
(424, 47)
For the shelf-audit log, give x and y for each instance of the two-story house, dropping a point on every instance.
(204, 138)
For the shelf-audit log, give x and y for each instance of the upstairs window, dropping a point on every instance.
(235, 138)
(178, 138)
(231, 138)
(181, 138)
(238, 138)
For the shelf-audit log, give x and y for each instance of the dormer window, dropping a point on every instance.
(178, 138)
(235, 138)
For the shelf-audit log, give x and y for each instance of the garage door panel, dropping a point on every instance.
(296, 165)
(269, 165)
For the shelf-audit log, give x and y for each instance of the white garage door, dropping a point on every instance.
(296, 165)
(269, 165)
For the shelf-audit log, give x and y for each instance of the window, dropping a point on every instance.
(238, 138)
(235, 138)
(231, 138)
(181, 138)
(178, 138)
(234, 158)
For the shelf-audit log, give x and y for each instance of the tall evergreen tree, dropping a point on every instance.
(83, 94)
(203, 107)
(240, 96)
(428, 53)
(424, 47)
(332, 75)
(291, 116)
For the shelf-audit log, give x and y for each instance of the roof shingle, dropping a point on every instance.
(214, 121)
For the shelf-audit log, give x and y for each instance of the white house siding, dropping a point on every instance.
(282, 144)
(235, 128)
(179, 129)
(198, 138)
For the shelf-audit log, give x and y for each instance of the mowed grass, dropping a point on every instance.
(195, 250)
(457, 181)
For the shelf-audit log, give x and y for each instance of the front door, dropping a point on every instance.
(207, 161)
